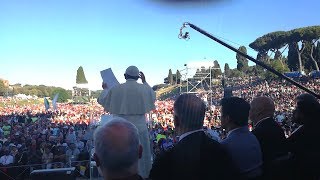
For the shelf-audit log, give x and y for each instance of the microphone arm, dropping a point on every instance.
(187, 37)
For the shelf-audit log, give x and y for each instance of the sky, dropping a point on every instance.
(44, 42)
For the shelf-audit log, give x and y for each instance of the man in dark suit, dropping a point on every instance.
(240, 142)
(195, 156)
(269, 134)
(304, 142)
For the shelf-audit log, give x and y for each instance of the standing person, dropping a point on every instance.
(132, 101)
(196, 155)
(240, 142)
(304, 142)
(269, 134)
(117, 150)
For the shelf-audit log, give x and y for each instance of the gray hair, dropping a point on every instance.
(120, 153)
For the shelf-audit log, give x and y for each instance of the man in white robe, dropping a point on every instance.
(131, 101)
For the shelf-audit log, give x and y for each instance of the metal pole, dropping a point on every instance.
(186, 36)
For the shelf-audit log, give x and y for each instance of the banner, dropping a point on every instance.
(46, 104)
(54, 101)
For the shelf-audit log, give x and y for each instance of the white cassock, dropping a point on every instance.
(131, 101)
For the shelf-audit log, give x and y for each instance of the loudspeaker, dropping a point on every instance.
(53, 174)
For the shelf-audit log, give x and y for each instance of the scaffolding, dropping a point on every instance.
(200, 84)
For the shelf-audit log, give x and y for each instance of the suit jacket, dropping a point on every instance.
(245, 151)
(194, 157)
(271, 138)
(305, 146)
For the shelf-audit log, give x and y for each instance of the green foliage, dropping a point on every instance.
(235, 73)
(216, 71)
(170, 77)
(95, 94)
(242, 62)
(64, 95)
(276, 40)
(40, 91)
(293, 64)
(273, 40)
(279, 66)
(178, 77)
(159, 86)
(81, 79)
(306, 59)
(316, 53)
(3, 88)
(278, 55)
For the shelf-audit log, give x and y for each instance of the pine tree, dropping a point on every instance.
(226, 70)
(81, 79)
(178, 76)
(242, 62)
(170, 77)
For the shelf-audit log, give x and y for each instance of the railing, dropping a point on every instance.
(84, 169)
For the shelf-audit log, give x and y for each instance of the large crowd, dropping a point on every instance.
(31, 135)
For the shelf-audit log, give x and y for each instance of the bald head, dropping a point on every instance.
(117, 145)
(261, 107)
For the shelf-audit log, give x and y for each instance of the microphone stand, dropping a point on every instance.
(187, 37)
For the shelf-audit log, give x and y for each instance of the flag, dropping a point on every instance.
(46, 104)
(54, 101)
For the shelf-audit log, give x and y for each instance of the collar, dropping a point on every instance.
(236, 129)
(188, 133)
(261, 121)
(131, 80)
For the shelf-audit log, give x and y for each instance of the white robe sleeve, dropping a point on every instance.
(103, 97)
(153, 94)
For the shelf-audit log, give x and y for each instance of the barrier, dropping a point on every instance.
(24, 171)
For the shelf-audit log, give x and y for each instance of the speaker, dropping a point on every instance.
(53, 174)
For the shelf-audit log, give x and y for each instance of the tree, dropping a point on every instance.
(305, 35)
(170, 77)
(316, 53)
(216, 71)
(235, 73)
(278, 55)
(293, 57)
(242, 62)
(278, 66)
(226, 70)
(81, 79)
(270, 42)
(307, 62)
(64, 95)
(3, 88)
(178, 77)
(313, 53)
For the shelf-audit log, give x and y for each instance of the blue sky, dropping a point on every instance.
(44, 42)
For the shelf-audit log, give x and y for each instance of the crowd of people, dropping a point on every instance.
(32, 135)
